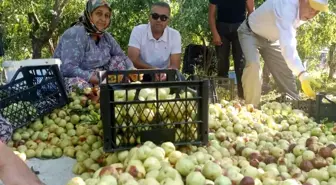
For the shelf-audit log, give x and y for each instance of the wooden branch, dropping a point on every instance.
(33, 20)
(57, 8)
(51, 46)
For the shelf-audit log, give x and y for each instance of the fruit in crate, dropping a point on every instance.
(330, 97)
(19, 111)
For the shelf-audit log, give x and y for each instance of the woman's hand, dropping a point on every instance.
(94, 79)
(13, 171)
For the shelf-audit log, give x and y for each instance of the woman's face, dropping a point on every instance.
(101, 17)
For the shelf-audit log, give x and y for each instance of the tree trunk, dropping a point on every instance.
(332, 61)
(37, 48)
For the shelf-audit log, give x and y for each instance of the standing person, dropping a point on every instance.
(271, 30)
(230, 15)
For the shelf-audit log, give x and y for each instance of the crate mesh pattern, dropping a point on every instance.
(38, 91)
(175, 111)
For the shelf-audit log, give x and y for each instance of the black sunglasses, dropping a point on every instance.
(156, 16)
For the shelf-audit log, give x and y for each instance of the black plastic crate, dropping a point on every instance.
(149, 75)
(326, 108)
(33, 92)
(220, 87)
(322, 108)
(138, 112)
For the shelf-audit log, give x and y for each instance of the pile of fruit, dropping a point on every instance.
(276, 145)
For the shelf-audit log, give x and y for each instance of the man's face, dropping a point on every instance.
(159, 18)
(306, 12)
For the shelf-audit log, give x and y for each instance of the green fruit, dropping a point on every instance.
(57, 120)
(60, 130)
(42, 145)
(69, 151)
(100, 124)
(97, 145)
(80, 130)
(31, 145)
(55, 141)
(71, 132)
(50, 122)
(10, 143)
(16, 136)
(52, 128)
(78, 168)
(77, 107)
(57, 152)
(19, 130)
(30, 131)
(37, 126)
(62, 114)
(53, 116)
(67, 118)
(95, 154)
(94, 167)
(75, 119)
(81, 156)
(45, 119)
(69, 126)
(88, 162)
(22, 148)
(43, 135)
(91, 139)
(47, 153)
(64, 136)
(64, 143)
(25, 135)
(74, 140)
(86, 147)
(86, 175)
(95, 129)
(30, 153)
(83, 118)
(35, 135)
(62, 123)
(38, 153)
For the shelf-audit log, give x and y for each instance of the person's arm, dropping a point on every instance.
(285, 16)
(134, 50)
(250, 6)
(117, 51)
(212, 23)
(71, 54)
(13, 171)
(175, 57)
(134, 55)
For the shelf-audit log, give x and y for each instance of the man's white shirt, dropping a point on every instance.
(277, 20)
(155, 52)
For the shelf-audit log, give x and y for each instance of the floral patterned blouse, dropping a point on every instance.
(81, 55)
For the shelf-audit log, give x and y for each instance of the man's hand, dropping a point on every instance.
(216, 40)
(306, 82)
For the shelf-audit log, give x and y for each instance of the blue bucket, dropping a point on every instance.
(232, 75)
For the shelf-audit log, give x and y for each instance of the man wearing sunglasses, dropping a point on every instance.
(155, 45)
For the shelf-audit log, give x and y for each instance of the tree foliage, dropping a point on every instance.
(190, 17)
